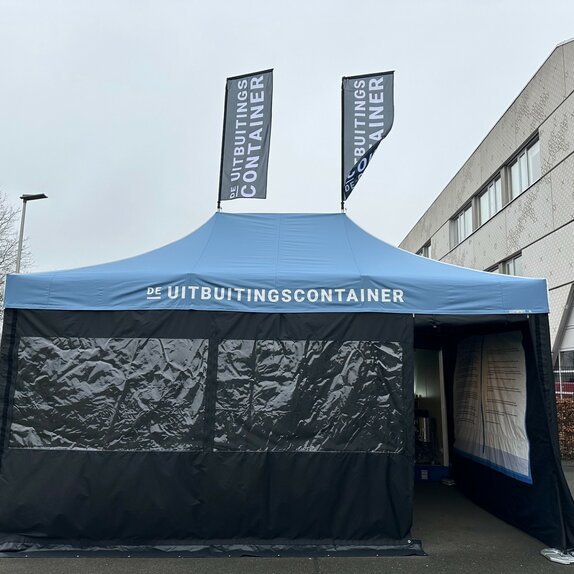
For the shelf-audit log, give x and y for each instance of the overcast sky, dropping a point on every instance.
(114, 108)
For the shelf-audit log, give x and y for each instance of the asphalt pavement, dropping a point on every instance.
(457, 535)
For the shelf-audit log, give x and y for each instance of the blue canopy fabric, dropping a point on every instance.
(279, 263)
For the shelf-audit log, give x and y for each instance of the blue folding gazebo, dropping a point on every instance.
(248, 389)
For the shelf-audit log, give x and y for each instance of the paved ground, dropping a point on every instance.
(458, 537)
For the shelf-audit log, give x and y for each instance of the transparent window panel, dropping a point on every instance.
(491, 200)
(534, 162)
(308, 396)
(523, 163)
(567, 360)
(468, 222)
(484, 206)
(109, 394)
(454, 232)
(515, 180)
(497, 196)
(517, 265)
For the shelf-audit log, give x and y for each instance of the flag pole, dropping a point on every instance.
(342, 146)
(222, 145)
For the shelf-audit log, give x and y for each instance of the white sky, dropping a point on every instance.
(114, 108)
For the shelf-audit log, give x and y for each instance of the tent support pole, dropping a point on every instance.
(445, 453)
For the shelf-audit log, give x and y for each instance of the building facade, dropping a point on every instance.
(510, 208)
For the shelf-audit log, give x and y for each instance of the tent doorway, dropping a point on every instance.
(431, 429)
(491, 381)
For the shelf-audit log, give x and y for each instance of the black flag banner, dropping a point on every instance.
(246, 136)
(368, 113)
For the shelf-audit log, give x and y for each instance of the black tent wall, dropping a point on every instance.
(280, 491)
(545, 508)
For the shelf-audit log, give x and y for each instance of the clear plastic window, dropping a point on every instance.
(109, 394)
(310, 396)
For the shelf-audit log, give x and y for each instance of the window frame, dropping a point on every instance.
(512, 261)
(465, 214)
(492, 188)
(521, 165)
(425, 250)
(560, 387)
(499, 189)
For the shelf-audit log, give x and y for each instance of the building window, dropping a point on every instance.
(490, 200)
(495, 269)
(564, 374)
(525, 169)
(425, 250)
(513, 266)
(461, 225)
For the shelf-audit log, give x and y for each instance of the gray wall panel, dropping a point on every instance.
(464, 185)
(552, 257)
(567, 335)
(535, 108)
(499, 145)
(541, 97)
(562, 178)
(557, 299)
(490, 242)
(462, 254)
(440, 243)
(411, 242)
(420, 238)
(484, 248)
(529, 216)
(540, 223)
(426, 227)
(557, 135)
(568, 50)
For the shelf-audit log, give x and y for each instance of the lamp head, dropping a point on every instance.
(33, 196)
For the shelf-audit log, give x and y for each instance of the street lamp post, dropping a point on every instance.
(25, 199)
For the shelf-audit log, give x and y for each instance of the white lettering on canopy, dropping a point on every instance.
(314, 296)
